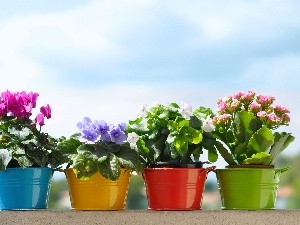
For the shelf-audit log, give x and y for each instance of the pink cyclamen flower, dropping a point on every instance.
(46, 111)
(32, 97)
(40, 119)
(3, 109)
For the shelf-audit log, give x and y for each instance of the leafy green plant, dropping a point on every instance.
(245, 127)
(22, 143)
(169, 133)
(99, 147)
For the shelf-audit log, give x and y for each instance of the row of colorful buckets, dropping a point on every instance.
(166, 189)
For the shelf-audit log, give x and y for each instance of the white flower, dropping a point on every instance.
(185, 110)
(132, 138)
(5, 157)
(143, 110)
(208, 125)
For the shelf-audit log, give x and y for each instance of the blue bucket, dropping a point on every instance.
(25, 189)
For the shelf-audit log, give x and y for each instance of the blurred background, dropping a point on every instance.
(105, 58)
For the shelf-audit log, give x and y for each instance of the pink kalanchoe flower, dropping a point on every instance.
(255, 107)
(40, 119)
(273, 119)
(46, 111)
(262, 114)
(265, 101)
(222, 106)
(286, 119)
(238, 95)
(281, 109)
(234, 106)
(248, 97)
(222, 119)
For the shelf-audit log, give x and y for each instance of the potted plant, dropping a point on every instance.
(100, 161)
(245, 129)
(28, 156)
(170, 140)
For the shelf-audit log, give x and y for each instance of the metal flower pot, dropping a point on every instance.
(175, 188)
(25, 189)
(98, 193)
(248, 188)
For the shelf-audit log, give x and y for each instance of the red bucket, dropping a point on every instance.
(175, 188)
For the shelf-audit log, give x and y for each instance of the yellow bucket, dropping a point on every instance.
(98, 193)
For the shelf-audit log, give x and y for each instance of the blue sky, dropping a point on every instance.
(103, 59)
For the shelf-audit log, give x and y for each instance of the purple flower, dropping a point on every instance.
(89, 136)
(122, 126)
(102, 129)
(86, 123)
(117, 135)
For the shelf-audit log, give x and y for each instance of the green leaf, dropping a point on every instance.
(281, 144)
(20, 151)
(136, 121)
(154, 133)
(194, 136)
(85, 166)
(181, 145)
(38, 156)
(110, 168)
(261, 158)
(57, 159)
(24, 162)
(212, 155)
(21, 134)
(86, 148)
(240, 152)
(195, 122)
(5, 157)
(143, 150)
(246, 125)
(68, 146)
(101, 153)
(128, 157)
(225, 154)
(241, 149)
(261, 141)
(196, 153)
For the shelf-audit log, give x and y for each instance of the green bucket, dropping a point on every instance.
(248, 188)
